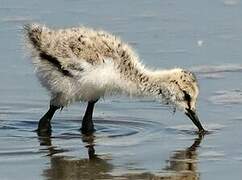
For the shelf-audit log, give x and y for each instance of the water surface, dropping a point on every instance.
(135, 138)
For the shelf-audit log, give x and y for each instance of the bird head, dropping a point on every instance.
(180, 88)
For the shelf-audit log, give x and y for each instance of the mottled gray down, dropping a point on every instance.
(81, 64)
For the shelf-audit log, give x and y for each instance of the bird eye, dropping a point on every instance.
(160, 92)
(187, 98)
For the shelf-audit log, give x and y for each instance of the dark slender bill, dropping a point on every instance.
(192, 115)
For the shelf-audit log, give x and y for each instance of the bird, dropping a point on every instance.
(82, 64)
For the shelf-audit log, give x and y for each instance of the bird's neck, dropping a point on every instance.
(145, 81)
(153, 83)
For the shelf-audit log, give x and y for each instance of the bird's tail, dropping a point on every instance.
(36, 37)
(33, 34)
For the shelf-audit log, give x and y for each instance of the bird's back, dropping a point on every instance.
(81, 63)
(80, 44)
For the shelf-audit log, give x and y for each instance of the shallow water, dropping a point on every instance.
(135, 138)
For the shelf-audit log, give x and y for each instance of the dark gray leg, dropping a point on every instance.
(87, 122)
(44, 127)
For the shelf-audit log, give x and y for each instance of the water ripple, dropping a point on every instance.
(126, 131)
(228, 97)
(216, 71)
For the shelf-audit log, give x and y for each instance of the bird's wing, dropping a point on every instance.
(68, 49)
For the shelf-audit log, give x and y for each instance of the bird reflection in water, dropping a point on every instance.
(184, 162)
(62, 168)
(181, 165)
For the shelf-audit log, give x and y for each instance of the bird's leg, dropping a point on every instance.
(87, 122)
(44, 126)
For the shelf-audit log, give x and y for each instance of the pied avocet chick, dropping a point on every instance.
(81, 64)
